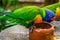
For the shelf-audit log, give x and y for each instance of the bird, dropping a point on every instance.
(27, 14)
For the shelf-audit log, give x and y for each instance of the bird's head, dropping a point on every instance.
(49, 15)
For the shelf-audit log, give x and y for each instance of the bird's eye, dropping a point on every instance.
(50, 15)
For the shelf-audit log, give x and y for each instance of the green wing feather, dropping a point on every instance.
(53, 6)
(42, 12)
(28, 13)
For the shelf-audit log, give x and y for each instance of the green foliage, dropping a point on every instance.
(7, 3)
(15, 2)
(4, 18)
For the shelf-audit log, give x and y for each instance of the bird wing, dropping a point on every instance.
(53, 7)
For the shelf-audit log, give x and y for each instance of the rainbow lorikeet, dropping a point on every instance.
(48, 17)
(27, 14)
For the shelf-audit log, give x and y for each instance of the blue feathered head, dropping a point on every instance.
(49, 14)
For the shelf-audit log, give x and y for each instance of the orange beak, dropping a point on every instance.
(38, 19)
(53, 19)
